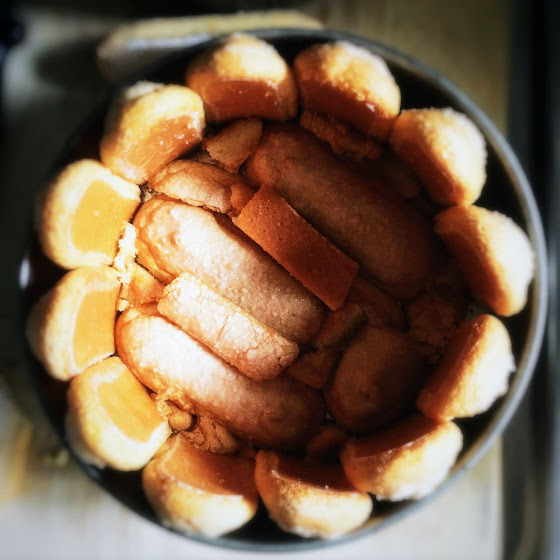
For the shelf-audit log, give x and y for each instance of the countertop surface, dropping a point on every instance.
(48, 507)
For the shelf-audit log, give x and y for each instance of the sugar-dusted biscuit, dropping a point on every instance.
(197, 492)
(182, 238)
(294, 243)
(279, 413)
(113, 416)
(149, 126)
(351, 84)
(446, 150)
(390, 240)
(407, 460)
(233, 334)
(473, 372)
(494, 254)
(376, 381)
(203, 184)
(307, 499)
(83, 213)
(72, 326)
(232, 145)
(341, 137)
(243, 77)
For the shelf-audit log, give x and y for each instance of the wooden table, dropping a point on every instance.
(48, 507)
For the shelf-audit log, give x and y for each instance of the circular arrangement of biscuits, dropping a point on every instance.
(279, 290)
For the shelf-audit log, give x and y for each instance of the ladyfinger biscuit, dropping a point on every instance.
(182, 238)
(320, 266)
(279, 413)
(446, 150)
(351, 84)
(384, 234)
(341, 137)
(494, 254)
(237, 337)
(151, 125)
(73, 325)
(203, 184)
(197, 492)
(234, 143)
(377, 380)
(114, 417)
(243, 77)
(473, 372)
(407, 460)
(380, 309)
(83, 213)
(297, 496)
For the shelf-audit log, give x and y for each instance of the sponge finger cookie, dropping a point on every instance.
(195, 491)
(114, 417)
(73, 325)
(243, 77)
(494, 253)
(297, 496)
(83, 213)
(253, 348)
(406, 460)
(350, 83)
(472, 374)
(150, 126)
(446, 150)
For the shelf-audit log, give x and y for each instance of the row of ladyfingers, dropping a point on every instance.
(279, 272)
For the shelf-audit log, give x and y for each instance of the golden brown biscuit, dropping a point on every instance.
(237, 337)
(377, 380)
(243, 77)
(203, 184)
(141, 288)
(393, 243)
(72, 327)
(326, 445)
(446, 150)
(309, 500)
(197, 492)
(351, 84)
(340, 326)
(380, 309)
(407, 460)
(314, 368)
(151, 125)
(472, 374)
(114, 418)
(83, 213)
(234, 143)
(210, 435)
(341, 137)
(432, 318)
(280, 413)
(182, 238)
(494, 254)
(308, 256)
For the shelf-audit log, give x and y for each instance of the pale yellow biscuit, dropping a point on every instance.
(113, 417)
(73, 325)
(83, 214)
